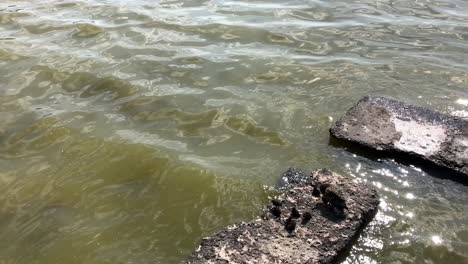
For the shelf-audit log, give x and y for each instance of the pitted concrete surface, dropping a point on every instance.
(393, 126)
(423, 140)
(322, 239)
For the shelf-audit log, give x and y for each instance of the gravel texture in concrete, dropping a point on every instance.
(315, 219)
(394, 127)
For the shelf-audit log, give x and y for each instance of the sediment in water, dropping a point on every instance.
(397, 128)
(322, 233)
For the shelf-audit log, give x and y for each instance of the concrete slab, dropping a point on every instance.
(314, 232)
(392, 126)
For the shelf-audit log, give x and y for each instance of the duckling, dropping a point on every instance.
(275, 211)
(333, 197)
(276, 202)
(306, 218)
(316, 192)
(295, 213)
(323, 187)
(290, 225)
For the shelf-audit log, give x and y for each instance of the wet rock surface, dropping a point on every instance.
(308, 229)
(394, 127)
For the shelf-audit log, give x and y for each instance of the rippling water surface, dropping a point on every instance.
(131, 129)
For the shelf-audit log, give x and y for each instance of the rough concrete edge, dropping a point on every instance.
(452, 122)
(295, 180)
(429, 115)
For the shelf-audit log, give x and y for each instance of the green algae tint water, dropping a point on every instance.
(131, 129)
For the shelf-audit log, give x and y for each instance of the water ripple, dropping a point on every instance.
(130, 129)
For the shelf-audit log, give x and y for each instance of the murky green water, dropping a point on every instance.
(131, 129)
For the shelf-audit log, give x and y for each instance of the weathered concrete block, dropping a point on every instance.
(389, 125)
(313, 232)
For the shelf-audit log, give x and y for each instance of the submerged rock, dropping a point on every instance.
(289, 178)
(388, 125)
(88, 30)
(318, 237)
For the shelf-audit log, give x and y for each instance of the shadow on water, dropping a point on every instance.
(400, 157)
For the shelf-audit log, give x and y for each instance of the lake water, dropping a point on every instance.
(131, 129)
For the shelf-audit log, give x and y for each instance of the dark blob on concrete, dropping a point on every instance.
(306, 218)
(316, 192)
(394, 127)
(290, 225)
(276, 202)
(295, 213)
(334, 198)
(275, 211)
(318, 236)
